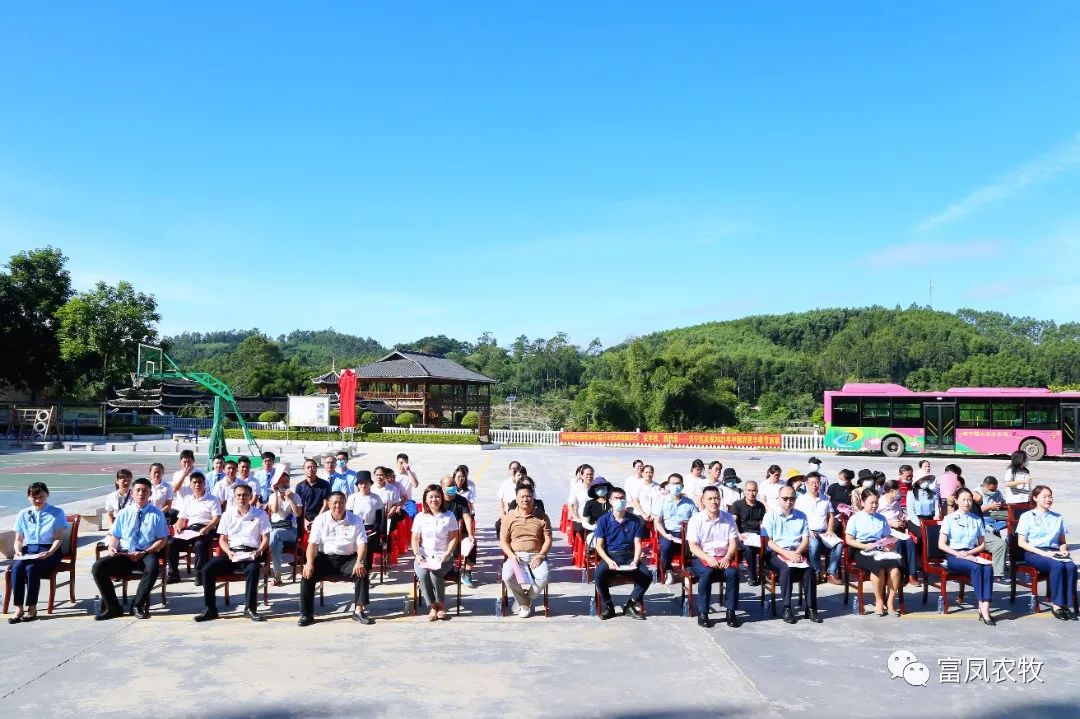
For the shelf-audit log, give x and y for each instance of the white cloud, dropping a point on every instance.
(1036, 171)
(915, 254)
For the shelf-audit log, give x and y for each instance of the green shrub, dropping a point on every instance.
(270, 416)
(471, 420)
(195, 410)
(368, 417)
(128, 429)
(335, 417)
(406, 419)
(370, 428)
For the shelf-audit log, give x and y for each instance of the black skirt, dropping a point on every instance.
(873, 565)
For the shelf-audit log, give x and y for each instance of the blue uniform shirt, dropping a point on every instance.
(138, 528)
(963, 529)
(1042, 529)
(867, 528)
(618, 536)
(787, 531)
(674, 513)
(343, 482)
(264, 483)
(41, 527)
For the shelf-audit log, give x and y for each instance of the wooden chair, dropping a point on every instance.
(854, 574)
(224, 580)
(123, 579)
(68, 550)
(1017, 564)
(687, 578)
(933, 563)
(678, 562)
(504, 597)
(770, 577)
(453, 576)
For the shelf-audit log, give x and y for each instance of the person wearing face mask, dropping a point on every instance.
(729, 489)
(1041, 534)
(342, 479)
(839, 492)
(618, 548)
(921, 501)
(748, 513)
(283, 510)
(39, 531)
(961, 538)
(597, 506)
(459, 506)
(675, 510)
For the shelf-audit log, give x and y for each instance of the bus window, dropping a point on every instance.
(973, 414)
(906, 414)
(845, 413)
(1041, 415)
(1008, 415)
(875, 413)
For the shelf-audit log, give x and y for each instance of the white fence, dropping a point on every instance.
(426, 430)
(791, 442)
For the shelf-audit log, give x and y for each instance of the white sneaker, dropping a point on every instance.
(669, 578)
(524, 612)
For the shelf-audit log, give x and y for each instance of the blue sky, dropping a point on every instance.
(608, 169)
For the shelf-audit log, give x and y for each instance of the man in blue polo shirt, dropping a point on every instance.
(341, 478)
(788, 534)
(618, 547)
(134, 542)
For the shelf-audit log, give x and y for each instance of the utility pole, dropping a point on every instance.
(931, 293)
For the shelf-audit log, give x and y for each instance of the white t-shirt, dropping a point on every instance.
(390, 494)
(434, 531)
(769, 493)
(200, 510)
(816, 510)
(364, 506)
(579, 495)
(161, 494)
(508, 490)
(115, 501)
(244, 530)
(338, 536)
(695, 486)
(225, 492)
(405, 486)
(470, 492)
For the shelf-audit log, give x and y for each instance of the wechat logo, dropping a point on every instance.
(905, 665)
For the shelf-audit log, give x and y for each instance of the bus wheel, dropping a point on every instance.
(892, 446)
(1033, 448)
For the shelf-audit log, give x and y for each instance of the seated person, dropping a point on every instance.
(643, 497)
(1041, 534)
(579, 497)
(435, 539)
(267, 477)
(244, 537)
(839, 492)
(864, 532)
(525, 535)
(991, 503)
(342, 479)
(461, 509)
(283, 510)
(676, 509)
(311, 494)
(922, 503)
(337, 545)
(961, 539)
(538, 504)
(133, 544)
(365, 504)
(748, 513)
(729, 489)
(819, 515)
(223, 489)
(181, 476)
(597, 506)
(121, 497)
(618, 547)
(714, 543)
(39, 532)
(161, 492)
(466, 487)
(889, 508)
(390, 495)
(197, 512)
(788, 538)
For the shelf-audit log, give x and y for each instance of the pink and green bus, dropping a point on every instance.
(893, 420)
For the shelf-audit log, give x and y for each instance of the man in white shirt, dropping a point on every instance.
(633, 482)
(406, 477)
(390, 494)
(337, 546)
(713, 540)
(187, 465)
(225, 488)
(244, 538)
(507, 492)
(196, 512)
(822, 523)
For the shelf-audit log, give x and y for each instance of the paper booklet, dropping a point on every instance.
(627, 567)
(186, 534)
(797, 565)
(1063, 559)
(881, 554)
(36, 555)
(243, 556)
(522, 572)
(981, 560)
(829, 540)
(467, 545)
(898, 534)
(752, 540)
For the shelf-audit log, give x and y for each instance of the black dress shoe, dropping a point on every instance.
(198, 581)
(754, 582)
(107, 614)
(632, 610)
(789, 616)
(1062, 613)
(732, 619)
(704, 621)
(813, 616)
(609, 612)
(173, 578)
(208, 615)
(363, 618)
(14, 620)
(141, 611)
(306, 620)
(988, 622)
(254, 616)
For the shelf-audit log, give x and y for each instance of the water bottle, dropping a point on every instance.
(498, 609)
(583, 575)
(592, 606)
(407, 606)
(686, 607)
(854, 607)
(654, 575)
(940, 604)
(1031, 604)
(97, 604)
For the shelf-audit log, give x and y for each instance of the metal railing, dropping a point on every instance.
(525, 436)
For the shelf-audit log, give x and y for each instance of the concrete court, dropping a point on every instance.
(569, 665)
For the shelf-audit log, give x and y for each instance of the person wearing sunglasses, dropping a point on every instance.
(787, 532)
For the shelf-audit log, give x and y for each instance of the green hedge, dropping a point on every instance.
(125, 429)
(274, 434)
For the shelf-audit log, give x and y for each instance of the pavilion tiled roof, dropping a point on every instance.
(418, 365)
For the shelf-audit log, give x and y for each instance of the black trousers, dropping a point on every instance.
(119, 565)
(807, 577)
(200, 546)
(217, 566)
(330, 565)
(750, 554)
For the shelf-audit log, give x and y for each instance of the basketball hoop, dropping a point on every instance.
(136, 380)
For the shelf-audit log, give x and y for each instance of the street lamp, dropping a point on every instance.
(510, 399)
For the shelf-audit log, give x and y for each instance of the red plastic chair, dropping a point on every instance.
(565, 525)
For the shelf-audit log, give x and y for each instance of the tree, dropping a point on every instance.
(470, 420)
(100, 331)
(406, 419)
(31, 294)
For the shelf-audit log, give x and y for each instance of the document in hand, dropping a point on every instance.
(521, 572)
(243, 556)
(467, 545)
(36, 555)
(897, 534)
(431, 563)
(627, 567)
(829, 540)
(797, 565)
(1066, 558)
(880, 554)
(186, 534)
(751, 540)
(981, 560)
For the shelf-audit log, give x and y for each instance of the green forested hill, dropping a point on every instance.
(766, 368)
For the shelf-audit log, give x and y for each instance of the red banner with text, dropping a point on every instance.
(673, 439)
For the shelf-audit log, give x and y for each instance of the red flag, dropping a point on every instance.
(347, 393)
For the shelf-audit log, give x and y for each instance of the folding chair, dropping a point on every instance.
(504, 597)
(68, 549)
(453, 576)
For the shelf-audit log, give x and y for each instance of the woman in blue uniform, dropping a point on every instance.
(961, 538)
(1041, 534)
(39, 531)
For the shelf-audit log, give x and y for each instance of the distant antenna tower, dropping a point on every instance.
(931, 293)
